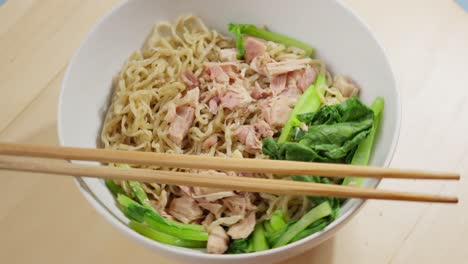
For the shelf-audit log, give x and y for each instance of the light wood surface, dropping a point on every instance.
(44, 219)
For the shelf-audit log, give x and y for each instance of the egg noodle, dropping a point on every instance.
(147, 92)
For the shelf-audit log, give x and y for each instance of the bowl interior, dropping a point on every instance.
(339, 37)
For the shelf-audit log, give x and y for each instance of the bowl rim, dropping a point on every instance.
(102, 209)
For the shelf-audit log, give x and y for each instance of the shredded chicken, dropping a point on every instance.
(247, 136)
(214, 208)
(211, 194)
(275, 68)
(262, 129)
(217, 74)
(243, 228)
(236, 97)
(307, 78)
(238, 205)
(276, 112)
(253, 48)
(278, 83)
(190, 79)
(181, 124)
(217, 241)
(185, 209)
(259, 92)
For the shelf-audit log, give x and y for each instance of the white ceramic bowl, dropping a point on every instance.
(339, 36)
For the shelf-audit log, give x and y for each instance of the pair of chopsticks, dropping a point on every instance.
(23, 157)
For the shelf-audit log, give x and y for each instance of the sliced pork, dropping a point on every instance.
(243, 228)
(217, 241)
(253, 48)
(181, 124)
(185, 209)
(275, 68)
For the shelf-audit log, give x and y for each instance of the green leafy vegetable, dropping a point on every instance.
(163, 237)
(317, 226)
(140, 194)
(268, 228)
(175, 231)
(239, 246)
(277, 220)
(130, 208)
(114, 188)
(364, 149)
(273, 238)
(258, 239)
(248, 29)
(320, 211)
(309, 102)
(138, 212)
(333, 134)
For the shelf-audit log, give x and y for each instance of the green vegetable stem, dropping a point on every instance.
(320, 211)
(248, 29)
(309, 102)
(178, 232)
(364, 149)
(258, 239)
(163, 237)
(277, 220)
(114, 188)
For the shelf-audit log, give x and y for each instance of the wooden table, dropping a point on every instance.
(44, 219)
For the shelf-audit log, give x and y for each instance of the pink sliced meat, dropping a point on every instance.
(307, 78)
(213, 208)
(253, 48)
(276, 111)
(171, 112)
(263, 129)
(275, 68)
(292, 93)
(217, 241)
(278, 83)
(181, 124)
(230, 71)
(259, 93)
(190, 79)
(213, 106)
(243, 228)
(247, 136)
(210, 141)
(238, 204)
(236, 98)
(230, 100)
(217, 74)
(185, 209)
(280, 111)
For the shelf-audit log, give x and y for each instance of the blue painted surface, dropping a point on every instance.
(462, 3)
(2, 2)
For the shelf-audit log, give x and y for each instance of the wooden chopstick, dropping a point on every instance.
(278, 167)
(214, 181)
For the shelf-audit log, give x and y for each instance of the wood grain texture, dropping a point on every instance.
(278, 167)
(230, 183)
(426, 43)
